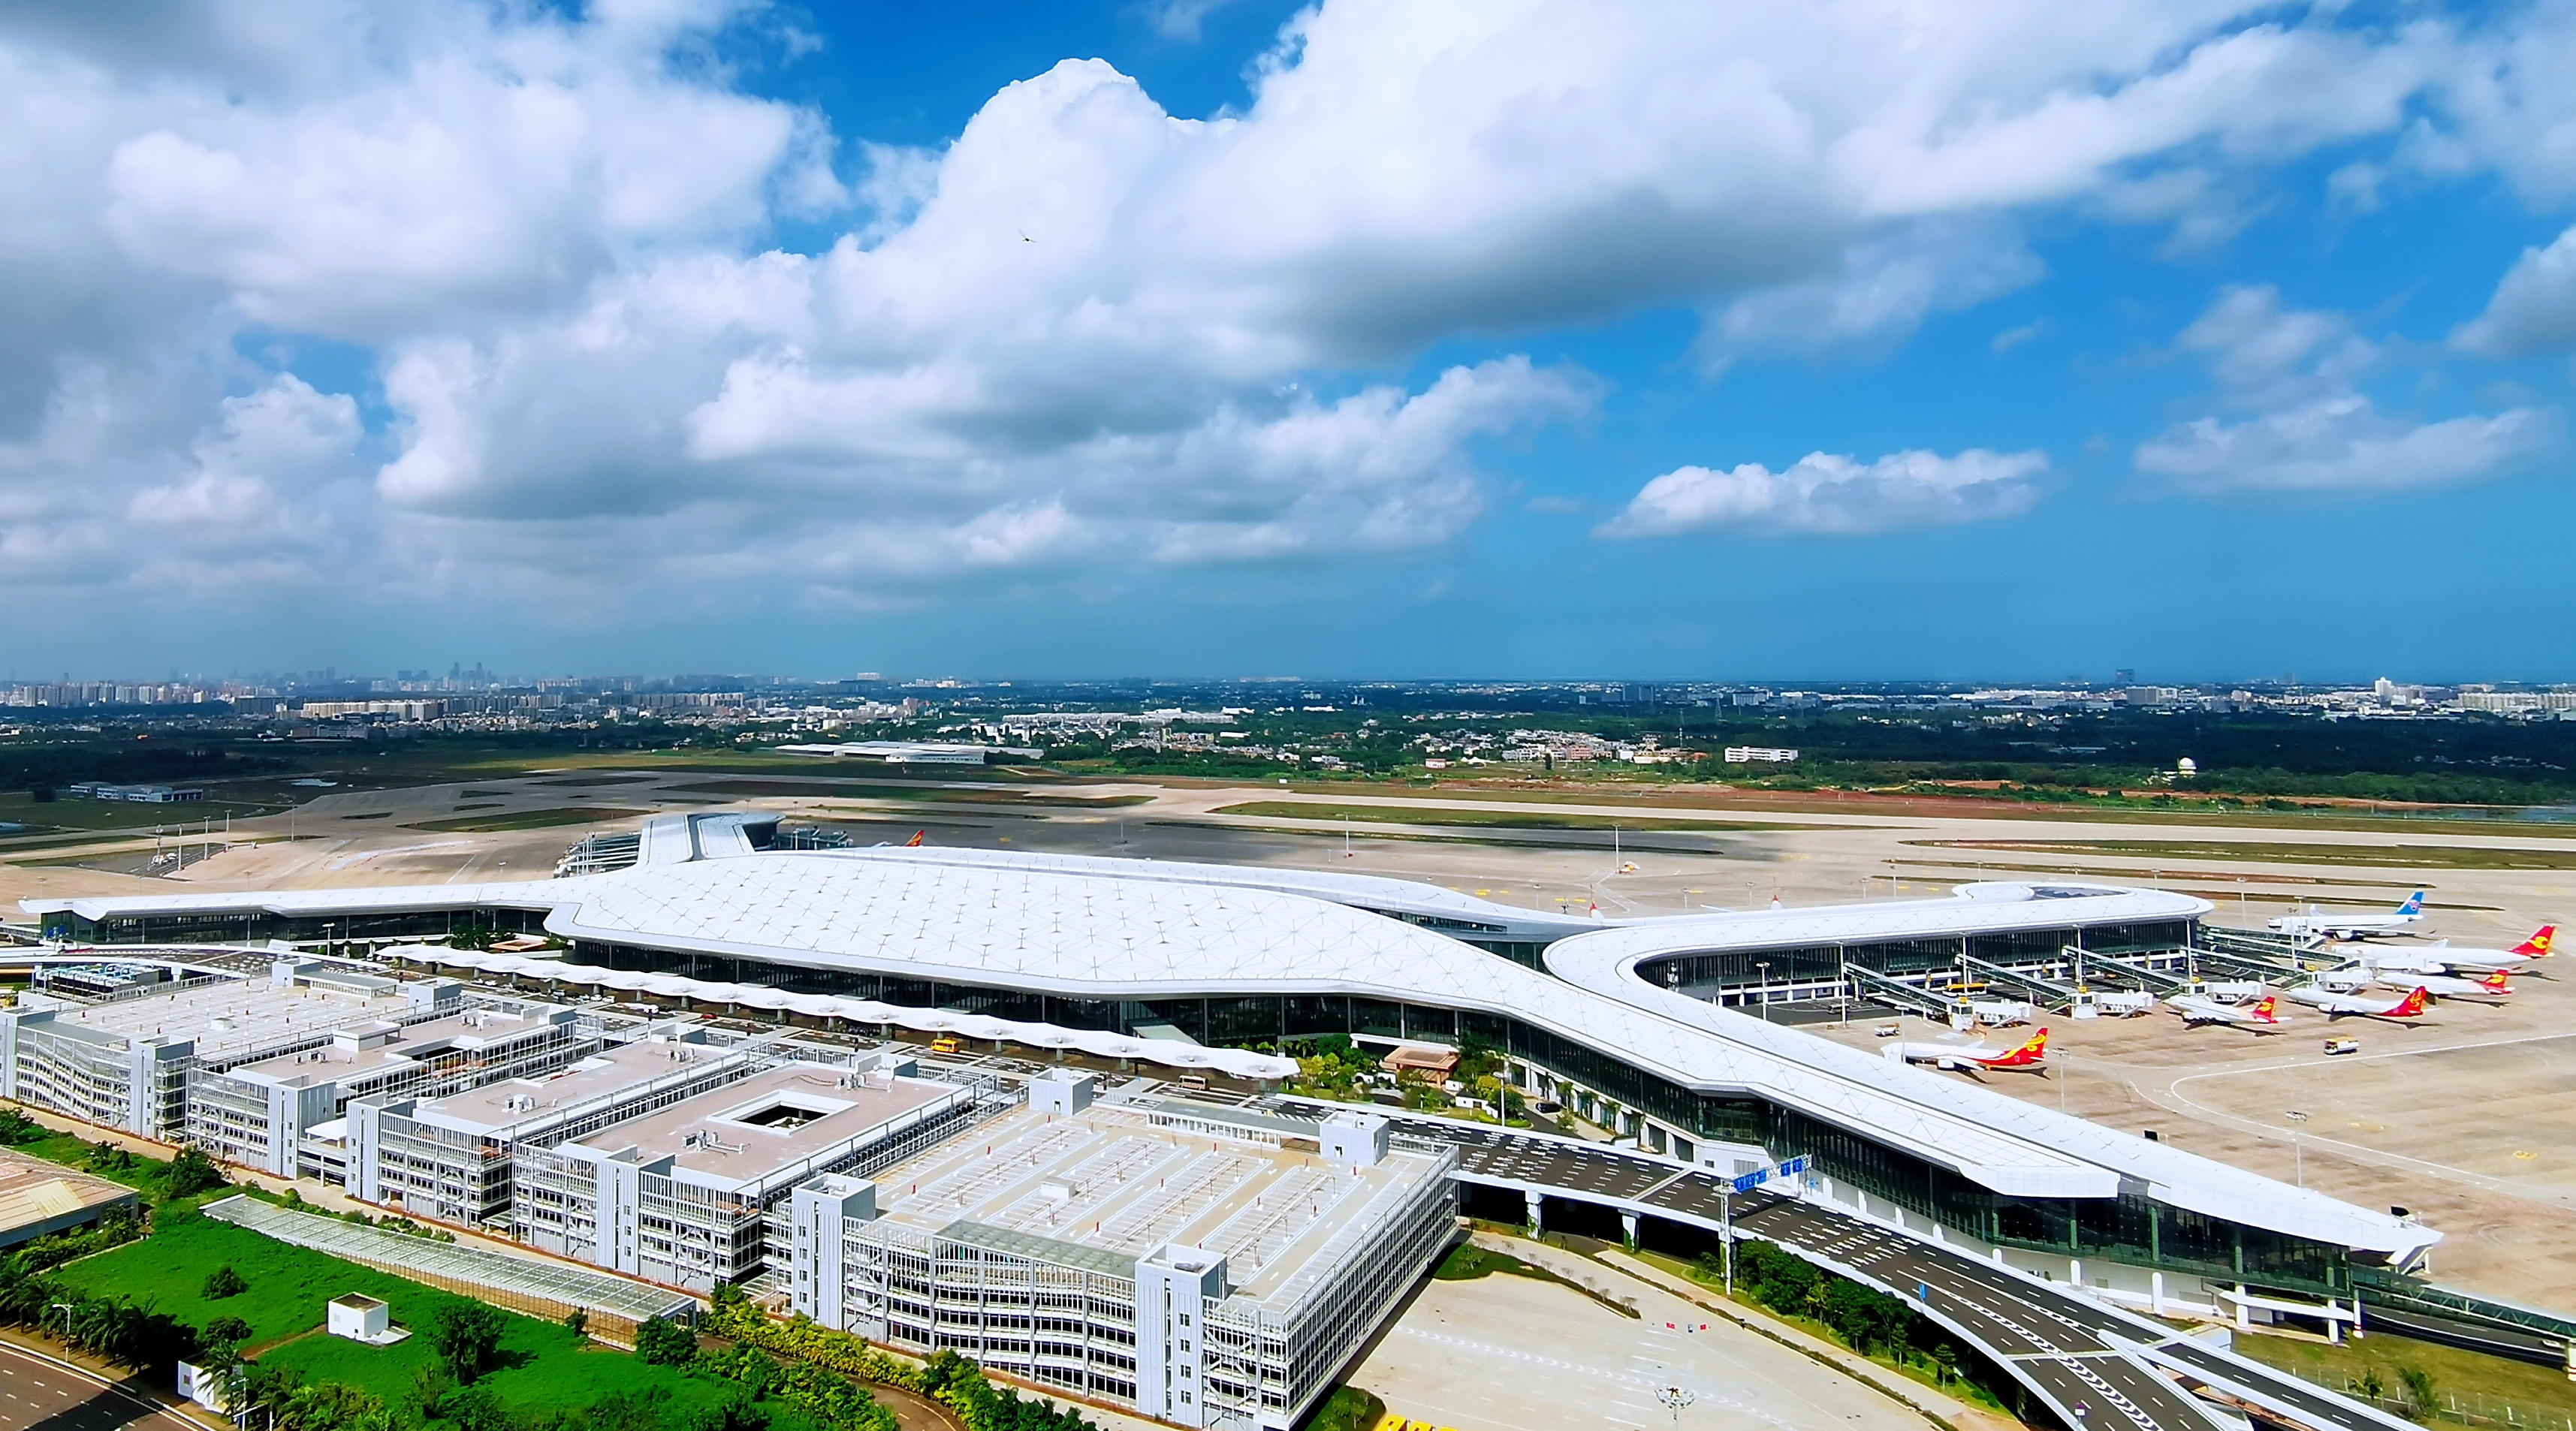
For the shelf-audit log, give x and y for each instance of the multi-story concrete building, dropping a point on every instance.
(686, 1194)
(1206, 1265)
(129, 1062)
(450, 1158)
(257, 1114)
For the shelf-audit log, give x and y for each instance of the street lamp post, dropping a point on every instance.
(2298, 1146)
(1763, 967)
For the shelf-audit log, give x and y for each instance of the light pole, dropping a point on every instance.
(1763, 967)
(2298, 1146)
(1674, 1399)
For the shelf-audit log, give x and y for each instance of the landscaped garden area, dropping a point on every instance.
(179, 1286)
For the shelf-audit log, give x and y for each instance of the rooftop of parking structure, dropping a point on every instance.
(1110, 1181)
(474, 1030)
(746, 1133)
(496, 1108)
(234, 1017)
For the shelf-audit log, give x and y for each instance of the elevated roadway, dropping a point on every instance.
(2097, 1366)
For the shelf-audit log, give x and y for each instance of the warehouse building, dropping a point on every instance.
(684, 1194)
(1205, 1265)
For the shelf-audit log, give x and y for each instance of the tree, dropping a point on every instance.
(2419, 1390)
(578, 1320)
(190, 1172)
(468, 1338)
(334, 1406)
(665, 1343)
(223, 1282)
(225, 1331)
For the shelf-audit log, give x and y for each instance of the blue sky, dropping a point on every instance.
(1958, 341)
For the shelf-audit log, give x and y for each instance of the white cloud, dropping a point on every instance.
(2343, 444)
(1059, 343)
(1825, 494)
(1883, 291)
(2534, 306)
(2313, 429)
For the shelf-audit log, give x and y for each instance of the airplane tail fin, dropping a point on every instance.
(2412, 1004)
(2495, 980)
(915, 842)
(2032, 1050)
(2263, 1011)
(2414, 904)
(2537, 946)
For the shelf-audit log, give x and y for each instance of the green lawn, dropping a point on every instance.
(2537, 1393)
(1482, 819)
(525, 820)
(287, 1285)
(73, 1152)
(2388, 856)
(547, 1365)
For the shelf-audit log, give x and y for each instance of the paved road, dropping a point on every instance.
(2065, 1346)
(36, 1395)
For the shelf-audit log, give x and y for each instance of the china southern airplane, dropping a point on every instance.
(2197, 1009)
(2031, 1057)
(2351, 923)
(2336, 1006)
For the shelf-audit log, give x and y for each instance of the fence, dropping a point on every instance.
(2469, 1410)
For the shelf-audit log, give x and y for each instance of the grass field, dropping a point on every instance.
(545, 1365)
(1480, 819)
(2424, 857)
(73, 1152)
(894, 790)
(2467, 1375)
(524, 820)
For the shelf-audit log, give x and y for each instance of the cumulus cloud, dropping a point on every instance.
(2343, 444)
(1086, 332)
(1829, 495)
(2534, 306)
(2313, 429)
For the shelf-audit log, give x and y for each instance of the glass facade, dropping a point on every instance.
(259, 926)
(2132, 1228)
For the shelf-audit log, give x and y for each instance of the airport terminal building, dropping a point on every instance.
(1642, 1020)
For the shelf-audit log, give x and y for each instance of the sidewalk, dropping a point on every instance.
(1936, 1406)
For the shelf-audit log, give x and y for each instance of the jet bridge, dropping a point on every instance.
(2255, 953)
(2137, 971)
(1897, 994)
(2037, 989)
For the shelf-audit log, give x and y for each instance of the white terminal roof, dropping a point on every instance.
(1091, 928)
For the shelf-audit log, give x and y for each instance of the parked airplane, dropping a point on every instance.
(2336, 1006)
(2031, 1057)
(2197, 1009)
(2351, 923)
(2446, 958)
(2490, 988)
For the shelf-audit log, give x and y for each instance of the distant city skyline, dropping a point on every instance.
(1390, 340)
